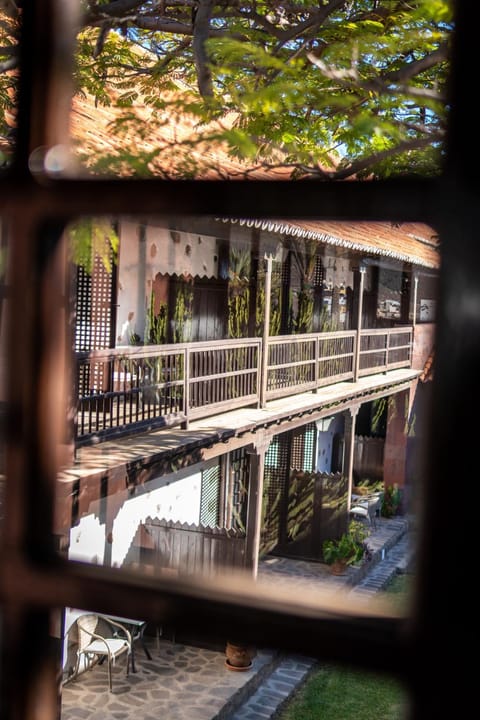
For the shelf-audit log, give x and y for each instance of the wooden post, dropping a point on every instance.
(349, 435)
(266, 331)
(362, 270)
(254, 508)
(415, 291)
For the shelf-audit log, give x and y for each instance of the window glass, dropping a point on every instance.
(342, 91)
(180, 418)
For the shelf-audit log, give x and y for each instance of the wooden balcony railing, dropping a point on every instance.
(130, 389)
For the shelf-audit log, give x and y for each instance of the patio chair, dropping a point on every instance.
(99, 639)
(367, 507)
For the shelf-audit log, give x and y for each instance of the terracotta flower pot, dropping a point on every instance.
(339, 567)
(238, 657)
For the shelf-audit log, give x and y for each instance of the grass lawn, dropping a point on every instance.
(339, 693)
(333, 693)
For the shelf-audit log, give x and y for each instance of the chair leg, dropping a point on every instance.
(77, 668)
(109, 664)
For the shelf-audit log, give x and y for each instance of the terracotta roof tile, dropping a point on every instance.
(415, 243)
(91, 129)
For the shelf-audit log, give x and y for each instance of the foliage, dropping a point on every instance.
(349, 547)
(327, 90)
(366, 486)
(275, 301)
(90, 239)
(305, 256)
(156, 330)
(9, 33)
(238, 293)
(392, 500)
(380, 409)
(135, 339)
(183, 311)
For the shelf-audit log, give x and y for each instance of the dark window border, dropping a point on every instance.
(427, 652)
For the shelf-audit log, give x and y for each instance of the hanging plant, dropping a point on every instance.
(183, 310)
(238, 293)
(275, 303)
(90, 239)
(305, 256)
(156, 330)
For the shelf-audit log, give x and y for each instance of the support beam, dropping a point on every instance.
(362, 270)
(349, 440)
(266, 331)
(415, 291)
(254, 509)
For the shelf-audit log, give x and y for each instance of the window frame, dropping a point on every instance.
(423, 651)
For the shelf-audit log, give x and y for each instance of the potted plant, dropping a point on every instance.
(391, 501)
(349, 548)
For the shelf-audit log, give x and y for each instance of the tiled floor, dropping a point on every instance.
(180, 682)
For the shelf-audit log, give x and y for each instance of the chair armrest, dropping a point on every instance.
(114, 624)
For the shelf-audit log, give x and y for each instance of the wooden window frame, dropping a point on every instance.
(426, 651)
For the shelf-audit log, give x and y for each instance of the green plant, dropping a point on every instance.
(90, 240)
(392, 500)
(238, 293)
(135, 339)
(349, 547)
(156, 331)
(183, 311)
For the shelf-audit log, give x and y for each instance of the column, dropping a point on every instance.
(356, 366)
(349, 445)
(255, 503)
(266, 331)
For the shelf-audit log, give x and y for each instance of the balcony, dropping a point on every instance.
(131, 389)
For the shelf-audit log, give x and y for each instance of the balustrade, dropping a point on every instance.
(129, 389)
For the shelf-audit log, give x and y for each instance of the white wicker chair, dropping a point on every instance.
(99, 639)
(367, 507)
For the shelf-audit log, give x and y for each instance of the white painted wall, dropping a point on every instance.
(177, 500)
(180, 253)
(131, 285)
(87, 541)
(141, 260)
(168, 499)
(327, 428)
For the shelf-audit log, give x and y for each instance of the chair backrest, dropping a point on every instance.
(86, 623)
(375, 503)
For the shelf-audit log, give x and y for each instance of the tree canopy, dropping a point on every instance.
(332, 89)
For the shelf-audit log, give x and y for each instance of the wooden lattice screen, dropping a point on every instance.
(209, 496)
(94, 322)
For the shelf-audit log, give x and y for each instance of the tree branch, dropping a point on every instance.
(201, 31)
(416, 67)
(362, 164)
(382, 85)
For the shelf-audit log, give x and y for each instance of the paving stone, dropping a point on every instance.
(192, 683)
